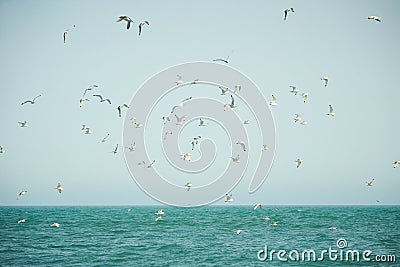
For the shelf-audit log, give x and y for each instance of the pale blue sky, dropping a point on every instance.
(332, 38)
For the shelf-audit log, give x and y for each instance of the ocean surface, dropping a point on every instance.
(130, 236)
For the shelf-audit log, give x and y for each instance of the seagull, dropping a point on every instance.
(297, 118)
(186, 156)
(236, 160)
(188, 185)
(266, 218)
(273, 102)
(371, 183)
(180, 120)
(375, 18)
(246, 122)
(179, 81)
(120, 108)
(238, 232)
(132, 147)
(55, 225)
(138, 125)
(115, 151)
(82, 100)
(141, 25)
(264, 147)
(229, 198)
(274, 224)
(33, 101)
(223, 60)
(87, 130)
(304, 95)
(304, 122)
(224, 90)
(59, 188)
(103, 99)
(332, 228)
(20, 194)
(160, 212)
(331, 113)
(151, 164)
(237, 88)
(90, 88)
(165, 119)
(202, 123)
(166, 134)
(66, 32)
(158, 218)
(22, 221)
(325, 79)
(299, 161)
(256, 206)
(396, 163)
(180, 105)
(23, 123)
(231, 105)
(242, 144)
(287, 11)
(127, 19)
(105, 138)
(195, 141)
(83, 127)
(195, 81)
(294, 89)
(2, 150)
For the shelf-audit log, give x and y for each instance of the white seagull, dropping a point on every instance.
(2, 150)
(305, 96)
(304, 122)
(132, 147)
(179, 81)
(229, 198)
(256, 206)
(242, 144)
(396, 163)
(274, 224)
(20, 194)
(231, 105)
(298, 161)
(59, 188)
(166, 134)
(294, 89)
(264, 147)
(141, 25)
(286, 11)
(138, 125)
(325, 79)
(180, 120)
(55, 225)
(33, 101)
(188, 185)
(375, 18)
(115, 151)
(22, 221)
(160, 212)
(371, 183)
(82, 100)
(127, 19)
(23, 123)
(120, 107)
(105, 138)
(237, 88)
(180, 105)
(165, 119)
(236, 160)
(158, 218)
(186, 156)
(331, 113)
(273, 102)
(103, 99)
(224, 90)
(297, 118)
(238, 232)
(202, 123)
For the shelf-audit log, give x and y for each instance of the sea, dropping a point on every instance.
(205, 236)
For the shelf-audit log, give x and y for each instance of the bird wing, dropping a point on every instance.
(36, 97)
(330, 109)
(125, 105)
(128, 25)
(108, 100)
(140, 28)
(273, 98)
(100, 96)
(233, 100)
(27, 101)
(285, 14)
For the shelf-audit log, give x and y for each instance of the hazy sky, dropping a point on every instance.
(332, 38)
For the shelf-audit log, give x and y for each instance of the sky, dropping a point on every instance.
(321, 38)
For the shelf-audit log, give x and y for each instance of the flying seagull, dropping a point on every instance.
(224, 90)
(304, 122)
(223, 60)
(229, 198)
(180, 105)
(132, 147)
(325, 79)
(115, 151)
(59, 188)
(297, 118)
(141, 25)
(287, 11)
(188, 185)
(236, 159)
(120, 107)
(127, 19)
(273, 102)
(20, 194)
(23, 124)
(22, 221)
(256, 206)
(105, 138)
(103, 99)
(242, 144)
(294, 89)
(90, 88)
(375, 18)
(87, 130)
(2, 150)
(231, 105)
(298, 161)
(82, 100)
(179, 81)
(66, 32)
(33, 101)
(264, 147)
(371, 183)
(202, 123)
(180, 120)
(305, 96)
(396, 163)
(331, 113)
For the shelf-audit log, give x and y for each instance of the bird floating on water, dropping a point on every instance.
(105, 138)
(115, 151)
(202, 123)
(22, 221)
(166, 134)
(55, 225)
(127, 19)
(286, 11)
(305, 96)
(246, 122)
(237, 88)
(59, 188)
(141, 25)
(82, 100)
(180, 120)
(132, 147)
(160, 212)
(186, 156)
(179, 81)
(224, 90)
(376, 18)
(165, 119)
(297, 118)
(264, 147)
(256, 206)
(33, 101)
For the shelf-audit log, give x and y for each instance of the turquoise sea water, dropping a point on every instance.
(114, 236)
